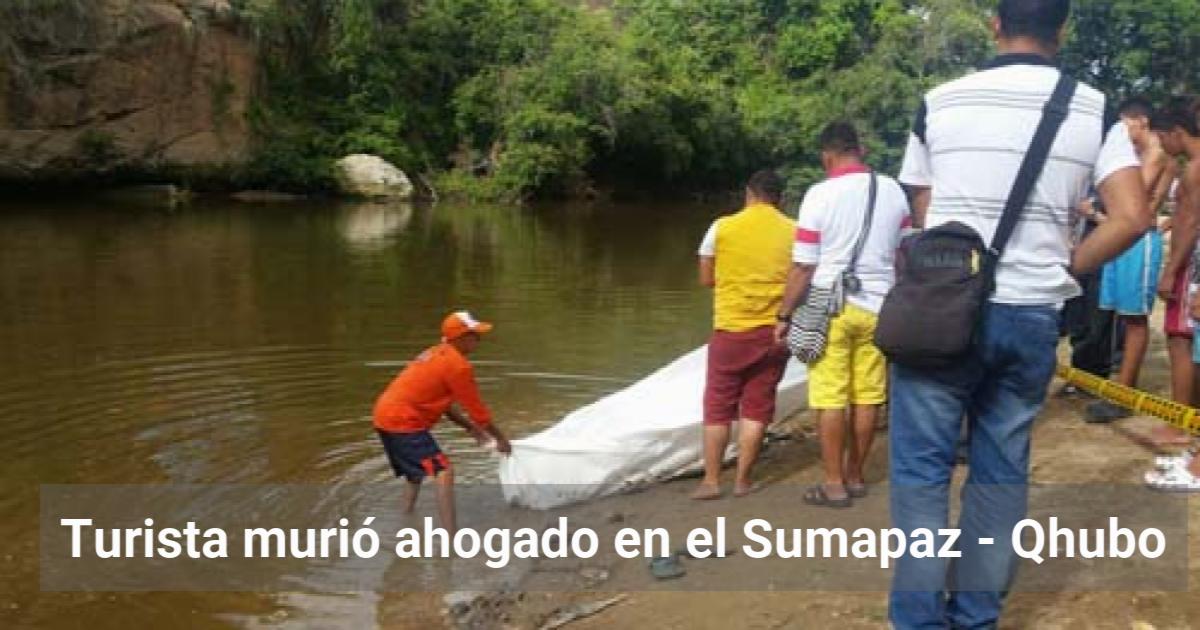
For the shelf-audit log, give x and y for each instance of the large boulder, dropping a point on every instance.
(371, 176)
(96, 85)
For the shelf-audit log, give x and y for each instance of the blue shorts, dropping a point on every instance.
(1128, 284)
(413, 456)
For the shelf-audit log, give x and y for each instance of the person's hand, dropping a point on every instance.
(1166, 286)
(1086, 208)
(781, 331)
(503, 446)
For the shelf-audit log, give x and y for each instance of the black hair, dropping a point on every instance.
(1136, 107)
(1180, 111)
(767, 186)
(839, 137)
(1040, 19)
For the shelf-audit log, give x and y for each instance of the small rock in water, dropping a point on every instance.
(371, 176)
(265, 196)
(459, 603)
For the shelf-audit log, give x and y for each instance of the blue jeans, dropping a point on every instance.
(999, 389)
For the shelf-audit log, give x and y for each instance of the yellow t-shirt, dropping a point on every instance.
(753, 253)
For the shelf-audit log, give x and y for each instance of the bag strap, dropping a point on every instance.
(1053, 115)
(866, 228)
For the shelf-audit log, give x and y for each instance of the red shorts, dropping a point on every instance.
(1176, 320)
(744, 369)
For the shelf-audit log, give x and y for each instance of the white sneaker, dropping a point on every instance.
(1167, 462)
(1173, 480)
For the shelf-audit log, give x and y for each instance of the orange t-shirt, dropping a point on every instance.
(418, 397)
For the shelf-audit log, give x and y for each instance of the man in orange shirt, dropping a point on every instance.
(419, 396)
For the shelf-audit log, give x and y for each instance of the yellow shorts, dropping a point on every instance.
(852, 371)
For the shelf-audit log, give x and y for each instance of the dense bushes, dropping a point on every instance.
(514, 98)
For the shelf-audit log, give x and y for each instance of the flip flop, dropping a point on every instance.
(1104, 412)
(817, 496)
(667, 567)
(856, 490)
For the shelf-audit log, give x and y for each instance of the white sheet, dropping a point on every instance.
(647, 432)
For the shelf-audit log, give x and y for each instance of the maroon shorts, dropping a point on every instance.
(744, 369)
(1177, 319)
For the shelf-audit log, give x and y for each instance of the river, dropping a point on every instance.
(233, 343)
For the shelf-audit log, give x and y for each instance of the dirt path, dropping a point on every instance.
(1065, 451)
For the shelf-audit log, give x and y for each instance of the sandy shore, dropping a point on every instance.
(1065, 451)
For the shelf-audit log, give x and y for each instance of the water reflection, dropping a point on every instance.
(367, 226)
(228, 343)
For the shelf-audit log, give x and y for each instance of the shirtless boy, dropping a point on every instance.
(1128, 284)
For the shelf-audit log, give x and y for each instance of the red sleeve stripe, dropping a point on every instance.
(808, 237)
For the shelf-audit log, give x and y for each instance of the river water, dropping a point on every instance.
(234, 343)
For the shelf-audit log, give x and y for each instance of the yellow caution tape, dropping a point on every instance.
(1181, 416)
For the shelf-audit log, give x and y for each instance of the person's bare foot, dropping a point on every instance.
(1165, 436)
(743, 488)
(706, 492)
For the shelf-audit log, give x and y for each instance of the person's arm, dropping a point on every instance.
(806, 253)
(708, 275)
(1087, 210)
(459, 418)
(708, 253)
(1162, 175)
(799, 279)
(1184, 228)
(465, 391)
(1123, 194)
(502, 443)
(916, 171)
(919, 197)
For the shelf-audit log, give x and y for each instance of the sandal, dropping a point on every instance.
(667, 567)
(1173, 480)
(817, 496)
(857, 490)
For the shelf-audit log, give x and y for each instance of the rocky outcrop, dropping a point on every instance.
(92, 86)
(371, 176)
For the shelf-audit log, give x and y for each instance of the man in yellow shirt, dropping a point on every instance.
(745, 257)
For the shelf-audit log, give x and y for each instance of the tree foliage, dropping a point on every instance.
(1127, 47)
(514, 98)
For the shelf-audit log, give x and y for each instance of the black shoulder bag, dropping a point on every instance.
(930, 318)
(808, 330)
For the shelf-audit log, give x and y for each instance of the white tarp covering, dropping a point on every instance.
(647, 432)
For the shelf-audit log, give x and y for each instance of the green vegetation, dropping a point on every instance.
(97, 149)
(521, 98)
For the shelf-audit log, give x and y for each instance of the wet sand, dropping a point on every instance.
(1065, 451)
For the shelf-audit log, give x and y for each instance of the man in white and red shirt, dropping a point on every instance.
(852, 372)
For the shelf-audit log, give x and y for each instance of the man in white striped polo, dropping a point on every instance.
(968, 142)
